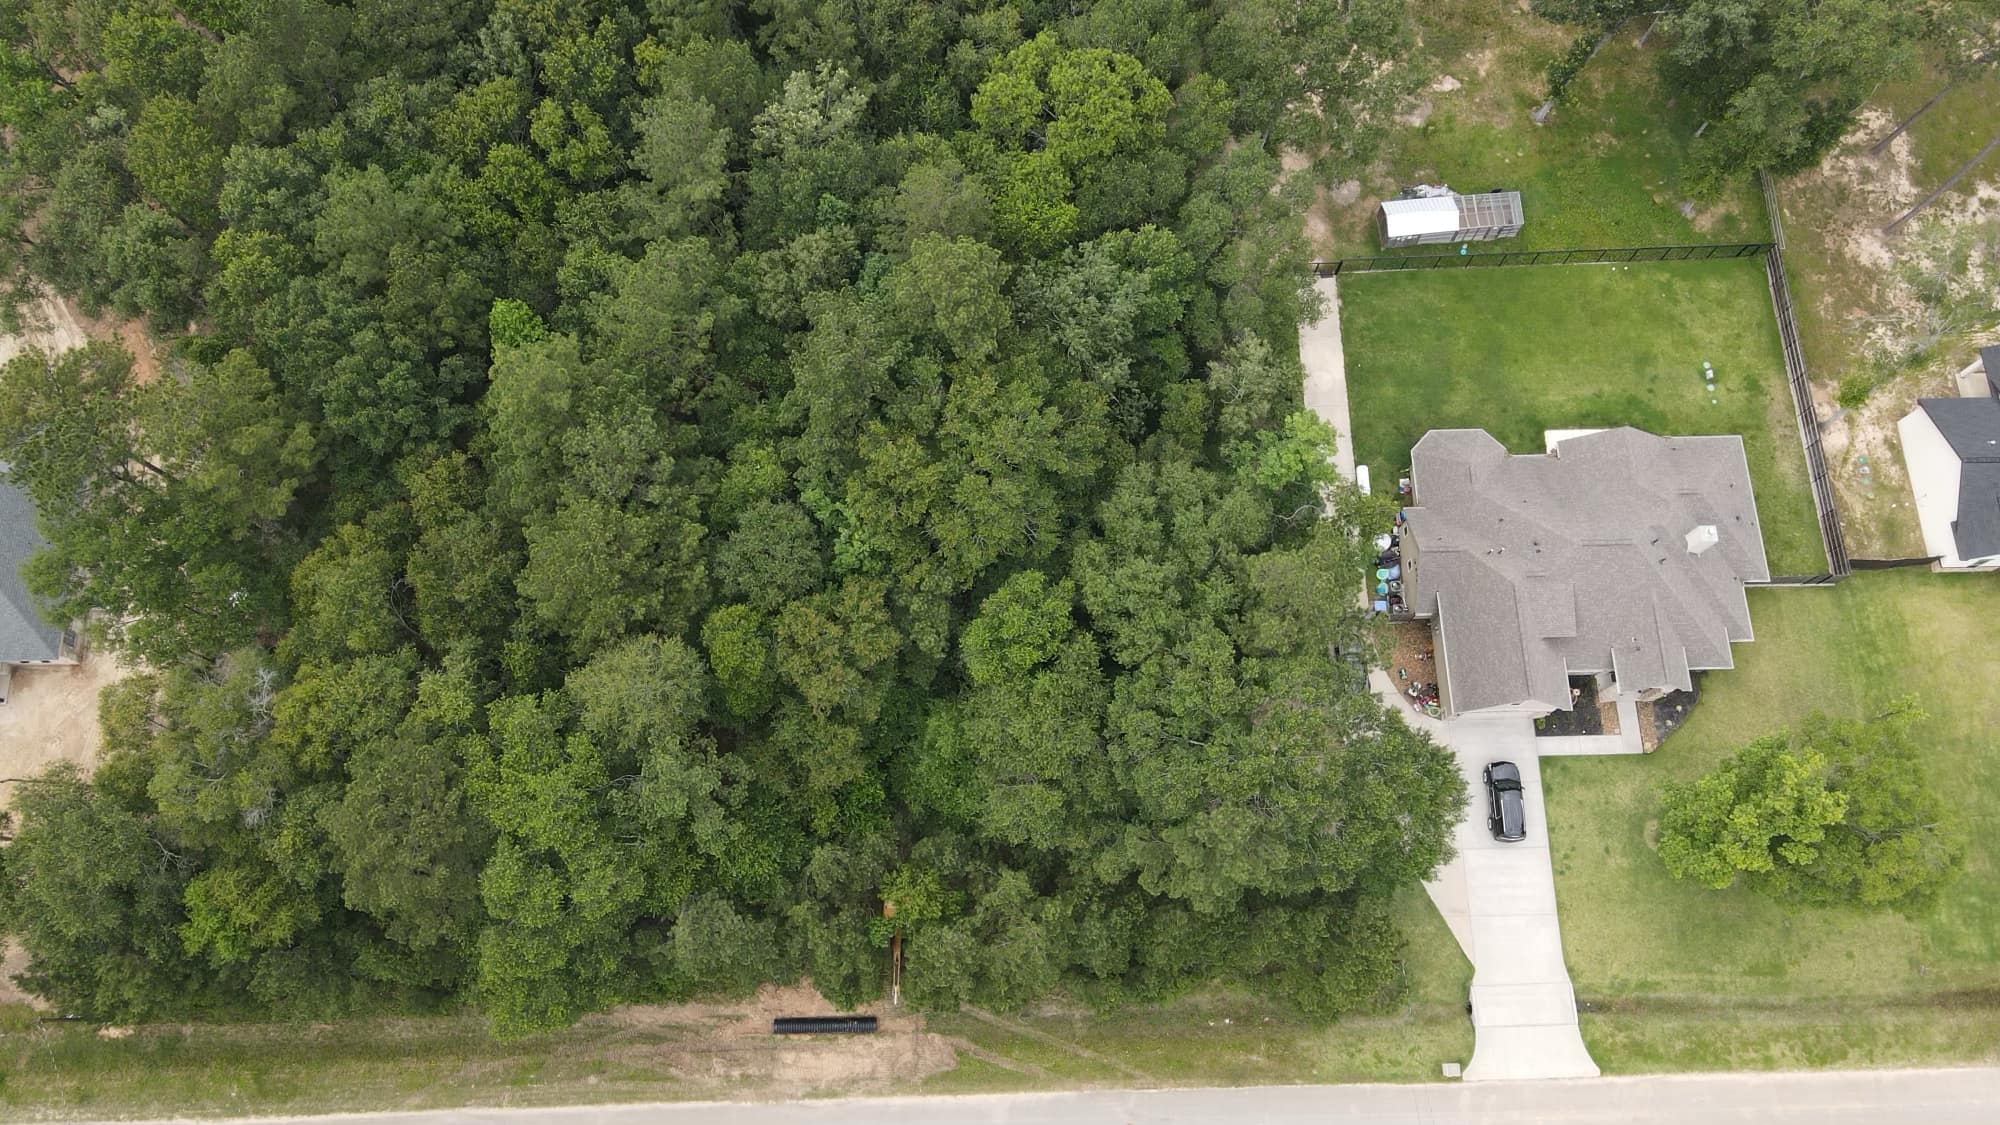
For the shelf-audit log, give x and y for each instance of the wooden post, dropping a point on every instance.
(895, 959)
(1943, 187)
(1876, 148)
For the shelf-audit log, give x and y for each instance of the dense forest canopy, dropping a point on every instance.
(639, 486)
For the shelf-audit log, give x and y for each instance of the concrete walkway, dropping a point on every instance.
(1628, 724)
(1326, 374)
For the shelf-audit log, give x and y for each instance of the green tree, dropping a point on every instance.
(164, 507)
(629, 486)
(1352, 64)
(1835, 811)
(176, 160)
(1777, 81)
(94, 896)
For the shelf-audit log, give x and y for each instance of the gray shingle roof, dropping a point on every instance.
(24, 634)
(1972, 428)
(1540, 566)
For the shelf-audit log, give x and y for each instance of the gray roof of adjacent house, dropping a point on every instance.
(1971, 426)
(1622, 551)
(24, 634)
(1989, 359)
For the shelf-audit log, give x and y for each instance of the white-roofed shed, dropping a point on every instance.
(1450, 217)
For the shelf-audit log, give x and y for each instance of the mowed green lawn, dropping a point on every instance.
(1520, 350)
(1687, 977)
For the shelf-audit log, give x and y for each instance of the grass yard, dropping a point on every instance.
(54, 1070)
(1679, 977)
(1604, 170)
(1520, 350)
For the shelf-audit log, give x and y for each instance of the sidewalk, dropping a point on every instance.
(1326, 374)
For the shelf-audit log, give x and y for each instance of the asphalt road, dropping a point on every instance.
(1887, 1097)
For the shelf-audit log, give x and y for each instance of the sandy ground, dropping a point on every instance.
(1838, 211)
(52, 324)
(56, 325)
(51, 715)
(739, 1047)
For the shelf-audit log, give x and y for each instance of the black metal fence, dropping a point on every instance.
(1838, 564)
(1592, 257)
(1808, 417)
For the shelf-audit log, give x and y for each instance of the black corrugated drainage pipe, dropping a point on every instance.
(822, 1025)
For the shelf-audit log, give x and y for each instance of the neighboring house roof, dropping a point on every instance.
(1971, 426)
(1596, 558)
(1989, 359)
(24, 635)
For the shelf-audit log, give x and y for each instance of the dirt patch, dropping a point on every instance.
(51, 325)
(1419, 112)
(1865, 454)
(51, 715)
(1319, 223)
(1859, 310)
(1873, 187)
(55, 325)
(1319, 213)
(1708, 219)
(801, 1066)
(14, 960)
(736, 1047)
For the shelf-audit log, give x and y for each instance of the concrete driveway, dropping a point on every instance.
(1500, 902)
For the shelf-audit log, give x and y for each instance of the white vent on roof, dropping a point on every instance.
(1702, 538)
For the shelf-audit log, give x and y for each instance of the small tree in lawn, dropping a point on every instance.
(1836, 811)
